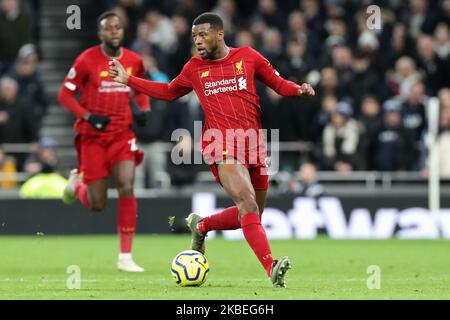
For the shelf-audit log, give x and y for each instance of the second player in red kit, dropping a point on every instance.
(104, 141)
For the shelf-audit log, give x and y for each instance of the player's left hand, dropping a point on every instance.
(141, 118)
(306, 90)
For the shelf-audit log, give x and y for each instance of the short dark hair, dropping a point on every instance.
(208, 17)
(105, 15)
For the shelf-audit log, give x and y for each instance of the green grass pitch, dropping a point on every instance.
(35, 267)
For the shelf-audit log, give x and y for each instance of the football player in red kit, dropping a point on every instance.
(104, 140)
(224, 81)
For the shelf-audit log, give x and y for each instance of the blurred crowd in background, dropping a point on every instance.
(372, 84)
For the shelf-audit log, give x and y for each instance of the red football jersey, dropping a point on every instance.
(225, 87)
(99, 94)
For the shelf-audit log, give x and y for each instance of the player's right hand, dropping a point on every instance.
(117, 72)
(99, 122)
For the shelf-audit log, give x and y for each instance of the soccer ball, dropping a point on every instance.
(190, 268)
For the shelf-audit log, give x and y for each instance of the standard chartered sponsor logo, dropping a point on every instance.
(111, 86)
(225, 85)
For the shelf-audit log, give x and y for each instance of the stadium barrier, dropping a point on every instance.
(402, 215)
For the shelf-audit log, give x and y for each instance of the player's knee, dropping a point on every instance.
(247, 205)
(125, 189)
(97, 202)
(98, 206)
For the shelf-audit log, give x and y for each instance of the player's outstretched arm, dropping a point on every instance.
(159, 90)
(266, 73)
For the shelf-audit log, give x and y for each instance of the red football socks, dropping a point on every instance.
(227, 219)
(126, 222)
(256, 237)
(81, 190)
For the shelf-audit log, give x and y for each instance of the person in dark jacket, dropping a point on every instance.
(15, 31)
(17, 124)
(394, 149)
(309, 186)
(30, 83)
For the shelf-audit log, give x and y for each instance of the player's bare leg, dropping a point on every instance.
(261, 196)
(227, 219)
(92, 195)
(98, 194)
(123, 174)
(236, 181)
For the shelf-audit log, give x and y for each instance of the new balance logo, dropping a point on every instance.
(242, 82)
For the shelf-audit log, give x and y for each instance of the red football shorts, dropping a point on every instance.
(97, 155)
(258, 175)
(254, 160)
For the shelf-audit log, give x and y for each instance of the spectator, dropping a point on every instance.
(190, 9)
(162, 33)
(327, 107)
(299, 32)
(152, 70)
(274, 51)
(436, 70)
(45, 183)
(7, 171)
(341, 139)
(334, 9)
(419, 18)
(309, 186)
(144, 46)
(413, 112)
(404, 77)
(372, 121)
(181, 50)
(15, 31)
(29, 79)
(278, 113)
(226, 9)
(299, 62)
(269, 12)
(442, 41)
(369, 45)
(443, 12)
(394, 149)
(336, 28)
(400, 45)
(364, 81)
(44, 160)
(244, 38)
(141, 43)
(17, 123)
(258, 27)
(342, 61)
(314, 16)
(329, 84)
